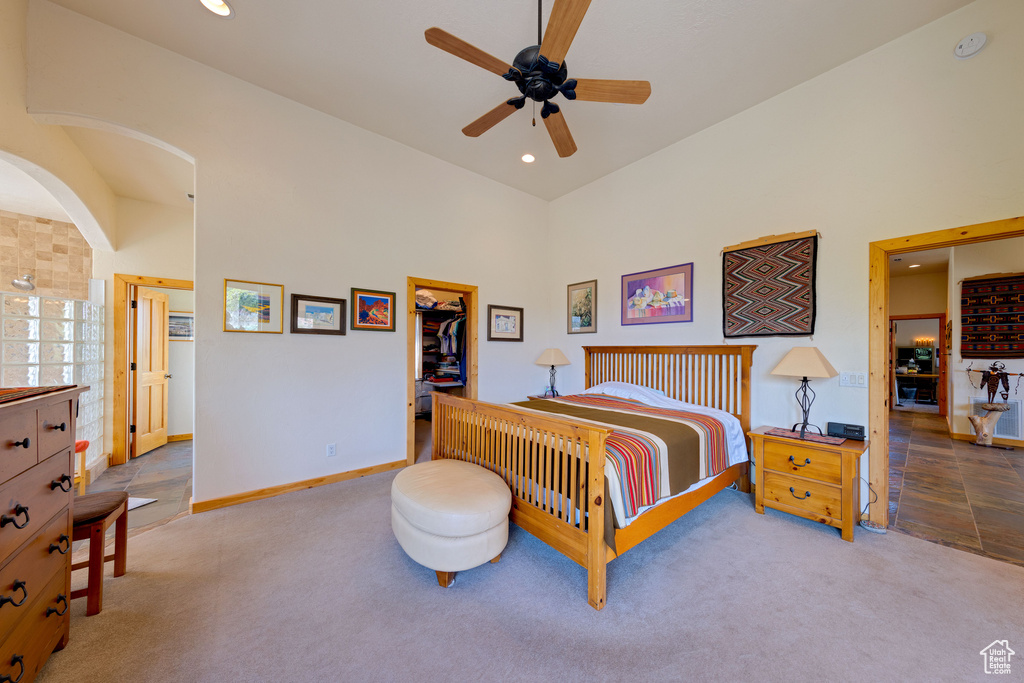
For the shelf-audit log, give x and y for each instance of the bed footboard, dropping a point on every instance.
(555, 468)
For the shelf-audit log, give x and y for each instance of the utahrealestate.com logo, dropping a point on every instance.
(997, 657)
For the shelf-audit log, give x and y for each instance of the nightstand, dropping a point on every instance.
(818, 481)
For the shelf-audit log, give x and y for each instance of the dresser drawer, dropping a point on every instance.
(813, 497)
(35, 496)
(18, 427)
(38, 633)
(804, 461)
(25, 576)
(56, 428)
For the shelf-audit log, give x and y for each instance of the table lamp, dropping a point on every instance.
(552, 357)
(805, 362)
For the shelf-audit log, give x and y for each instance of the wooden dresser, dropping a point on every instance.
(813, 480)
(37, 444)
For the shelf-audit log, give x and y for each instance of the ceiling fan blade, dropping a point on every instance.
(565, 19)
(624, 92)
(489, 120)
(558, 129)
(463, 50)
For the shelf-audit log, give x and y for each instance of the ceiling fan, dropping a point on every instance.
(540, 73)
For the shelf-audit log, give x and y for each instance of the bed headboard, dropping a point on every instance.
(714, 376)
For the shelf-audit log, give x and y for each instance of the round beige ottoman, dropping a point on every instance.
(450, 515)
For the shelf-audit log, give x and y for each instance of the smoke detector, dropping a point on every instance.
(969, 46)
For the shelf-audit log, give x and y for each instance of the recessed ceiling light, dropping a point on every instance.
(219, 7)
(528, 158)
(914, 265)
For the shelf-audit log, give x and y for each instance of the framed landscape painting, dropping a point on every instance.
(373, 310)
(658, 296)
(317, 315)
(181, 326)
(582, 307)
(253, 307)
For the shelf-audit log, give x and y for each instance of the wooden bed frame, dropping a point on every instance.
(555, 466)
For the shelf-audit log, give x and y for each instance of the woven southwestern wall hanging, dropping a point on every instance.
(768, 289)
(992, 317)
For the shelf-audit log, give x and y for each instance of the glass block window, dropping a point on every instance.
(47, 341)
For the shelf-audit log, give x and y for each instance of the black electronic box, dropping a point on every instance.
(846, 431)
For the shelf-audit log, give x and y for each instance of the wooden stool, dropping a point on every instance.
(94, 513)
(80, 448)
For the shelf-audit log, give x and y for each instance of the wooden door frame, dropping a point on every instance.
(941, 383)
(878, 335)
(469, 295)
(122, 295)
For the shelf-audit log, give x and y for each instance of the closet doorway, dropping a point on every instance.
(454, 361)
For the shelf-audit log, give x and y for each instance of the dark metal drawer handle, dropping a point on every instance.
(59, 428)
(63, 538)
(19, 509)
(16, 659)
(806, 494)
(24, 443)
(807, 461)
(59, 483)
(18, 585)
(53, 610)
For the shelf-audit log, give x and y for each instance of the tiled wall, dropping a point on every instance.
(46, 341)
(52, 252)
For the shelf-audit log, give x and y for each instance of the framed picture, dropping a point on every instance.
(373, 310)
(581, 316)
(253, 307)
(317, 315)
(504, 323)
(181, 326)
(658, 296)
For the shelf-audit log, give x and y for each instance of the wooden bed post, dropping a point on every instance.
(597, 556)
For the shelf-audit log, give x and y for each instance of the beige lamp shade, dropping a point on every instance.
(552, 357)
(804, 361)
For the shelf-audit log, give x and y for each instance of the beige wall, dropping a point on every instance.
(52, 252)
(917, 294)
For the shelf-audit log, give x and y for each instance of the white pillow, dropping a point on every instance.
(625, 390)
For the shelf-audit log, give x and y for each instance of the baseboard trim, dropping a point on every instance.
(180, 437)
(259, 494)
(995, 440)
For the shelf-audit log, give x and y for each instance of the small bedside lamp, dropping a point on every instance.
(553, 357)
(805, 362)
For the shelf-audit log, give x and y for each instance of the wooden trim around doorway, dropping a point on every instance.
(122, 291)
(469, 295)
(878, 336)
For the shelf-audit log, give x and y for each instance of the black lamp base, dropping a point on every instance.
(553, 391)
(805, 397)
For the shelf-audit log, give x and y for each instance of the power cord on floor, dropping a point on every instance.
(867, 524)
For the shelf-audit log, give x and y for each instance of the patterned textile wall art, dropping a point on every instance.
(992, 317)
(768, 290)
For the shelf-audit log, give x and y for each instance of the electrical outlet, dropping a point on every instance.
(332, 450)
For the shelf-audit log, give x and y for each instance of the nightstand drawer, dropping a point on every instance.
(804, 461)
(810, 496)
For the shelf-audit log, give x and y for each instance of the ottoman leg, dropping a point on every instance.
(445, 579)
(496, 558)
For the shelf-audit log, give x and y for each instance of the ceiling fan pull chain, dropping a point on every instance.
(540, 37)
(534, 114)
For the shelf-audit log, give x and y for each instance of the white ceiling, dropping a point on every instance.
(919, 262)
(21, 193)
(368, 63)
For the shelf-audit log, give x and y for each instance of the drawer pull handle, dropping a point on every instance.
(18, 585)
(59, 483)
(63, 538)
(807, 494)
(59, 428)
(19, 509)
(24, 443)
(53, 610)
(807, 461)
(16, 659)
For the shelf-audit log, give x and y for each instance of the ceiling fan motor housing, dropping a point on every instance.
(535, 76)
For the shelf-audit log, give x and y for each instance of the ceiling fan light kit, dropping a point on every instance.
(540, 73)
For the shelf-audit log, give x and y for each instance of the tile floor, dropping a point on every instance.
(953, 492)
(164, 473)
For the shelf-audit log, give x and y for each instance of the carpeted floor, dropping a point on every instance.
(311, 586)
